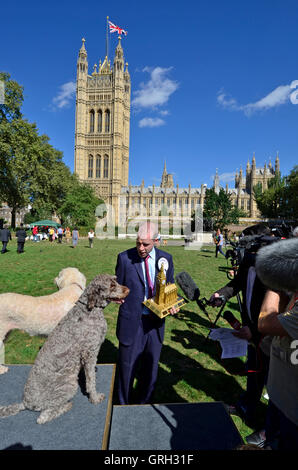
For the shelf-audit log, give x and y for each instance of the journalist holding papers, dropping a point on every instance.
(139, 331)
(253, 291)
(277, 267)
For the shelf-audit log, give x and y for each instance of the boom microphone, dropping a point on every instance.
(277, 265)
(191, 290)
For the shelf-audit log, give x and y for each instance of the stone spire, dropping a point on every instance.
(216, 182)
(82, 64)
(277, 167)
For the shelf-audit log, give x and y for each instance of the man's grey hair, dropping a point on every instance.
(295, 232)
(148, 230)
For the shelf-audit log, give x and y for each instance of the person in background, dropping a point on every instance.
(75, 237)
(91, 238)
(21, 237)
(34, 233)
(67, 234)
(218, 239)
(51, 234)
(5, 236)
(60, 234)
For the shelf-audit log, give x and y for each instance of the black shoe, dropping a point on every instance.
(257, 438)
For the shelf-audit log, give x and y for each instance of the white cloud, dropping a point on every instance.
(158, 89)
(227, 177)
(277, 97)
(151, 122)
(66, 94)
(164, 112)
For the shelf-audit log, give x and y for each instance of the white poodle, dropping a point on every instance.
(40, 315)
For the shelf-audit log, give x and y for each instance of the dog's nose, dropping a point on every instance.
(126, 290)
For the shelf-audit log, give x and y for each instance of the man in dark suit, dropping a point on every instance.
(140, 332)
(5, 236)
(21, 236)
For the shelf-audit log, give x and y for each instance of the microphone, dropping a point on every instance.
(191, 290)
(188, 286)
(229, 317)
(277, 265)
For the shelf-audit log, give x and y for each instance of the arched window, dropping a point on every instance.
(98, 166)
(106, 166)
(107, 120)
(99, 120)
(90, 166)
(92, 120)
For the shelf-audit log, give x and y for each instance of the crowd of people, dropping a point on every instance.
(41, 233)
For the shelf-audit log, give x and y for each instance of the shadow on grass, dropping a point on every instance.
(195, 375)
(194, 339)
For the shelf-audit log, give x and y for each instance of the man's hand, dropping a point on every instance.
(216, 300)
(244, 333)
(174, 310)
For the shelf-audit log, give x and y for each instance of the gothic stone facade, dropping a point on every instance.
(142, 200)
(102, 124)
(102, 149)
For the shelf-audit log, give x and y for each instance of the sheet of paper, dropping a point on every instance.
(230, 345)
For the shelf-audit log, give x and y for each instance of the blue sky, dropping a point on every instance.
(212, 81)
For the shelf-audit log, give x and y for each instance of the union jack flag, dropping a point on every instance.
(114, 29)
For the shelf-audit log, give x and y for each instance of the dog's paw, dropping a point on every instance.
(3, 369)
(96, 398)
(42, 418)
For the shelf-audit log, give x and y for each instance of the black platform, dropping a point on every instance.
(189, 426)
(85, 426)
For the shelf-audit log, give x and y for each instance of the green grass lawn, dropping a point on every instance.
(191, 369)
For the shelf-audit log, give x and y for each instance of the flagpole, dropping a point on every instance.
(107, 38)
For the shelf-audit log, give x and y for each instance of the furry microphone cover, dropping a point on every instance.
(277, 265)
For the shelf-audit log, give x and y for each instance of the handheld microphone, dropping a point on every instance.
(188, 286)
(229, 317)
(191, 290)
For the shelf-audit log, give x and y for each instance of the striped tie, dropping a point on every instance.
(149, 282)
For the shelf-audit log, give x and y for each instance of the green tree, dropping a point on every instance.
(79, 204)
(218, 209)
(290, 204)
(13, 99)
(271, 201)
(31, 170)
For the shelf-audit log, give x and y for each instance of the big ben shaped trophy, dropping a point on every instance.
(165, 298)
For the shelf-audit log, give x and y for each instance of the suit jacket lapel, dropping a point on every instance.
(137, 262)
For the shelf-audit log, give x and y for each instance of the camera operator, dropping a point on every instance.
(253, 291)
(277, 266)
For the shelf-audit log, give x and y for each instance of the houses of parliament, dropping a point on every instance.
(102, 149)
(102, 123)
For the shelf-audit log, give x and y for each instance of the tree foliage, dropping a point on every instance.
(79, 204)
(279, 200)
(218, 209)
(32, 172)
